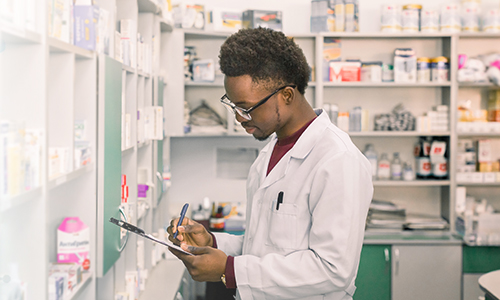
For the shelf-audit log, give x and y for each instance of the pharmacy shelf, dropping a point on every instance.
(143, 144)
(358, 84)
(128, 150)
(476, 84)
(20, 36)
(86, 278)
(144, 74)
(204, 84)
(53, 183)
(212, 135)
(403, 183)
(397, 133)
(494, 184)
(201, 34)
(148, 6)
(478, 134)
(157, 287)
(11, 202)
(478, 35)
(57, 46)
(385, 35)
(165, 26)
(129, 69)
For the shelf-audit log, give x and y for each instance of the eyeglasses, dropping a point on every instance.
(245, 113)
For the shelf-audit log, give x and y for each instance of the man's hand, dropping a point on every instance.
(190, 233)
(207, 264)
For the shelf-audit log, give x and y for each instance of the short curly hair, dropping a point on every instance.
(267, 56)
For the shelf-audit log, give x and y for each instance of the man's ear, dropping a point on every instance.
(288, 95)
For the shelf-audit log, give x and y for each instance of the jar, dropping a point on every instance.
(411, 17)
(423, 69)
(450, 18)
(440, 69)
(429, 20)
(390, 18)
(470, 16)
(491, 21)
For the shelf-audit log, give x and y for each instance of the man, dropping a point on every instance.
(308, 191)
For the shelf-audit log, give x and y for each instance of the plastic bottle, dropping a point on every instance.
(396, 167)
(384, 168)
(355, 119)
(371, 155)
(423, 161)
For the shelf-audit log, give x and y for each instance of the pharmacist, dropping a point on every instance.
(308, 191)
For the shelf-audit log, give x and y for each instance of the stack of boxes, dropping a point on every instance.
(334, 15)
(478, 161)
(436, 120)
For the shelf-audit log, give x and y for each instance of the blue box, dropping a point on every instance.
(86, 26)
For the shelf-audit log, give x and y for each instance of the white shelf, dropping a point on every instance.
(386, 35)
(57, 46)
(494, 184)
(129, 69)
(165, 27)
(148, 6)
(358, 84)
(10, 202)
(402, 183)
(397, 133)
(204, 84)
(143, 144)
(479, 134)
(86, 278)
(70, 176)
(143, 74)
(201, 34)
(164, 280)
(476, 84)
(478, 35)
(127, 150)
(20, 36)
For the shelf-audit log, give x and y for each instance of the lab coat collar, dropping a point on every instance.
(300, 150)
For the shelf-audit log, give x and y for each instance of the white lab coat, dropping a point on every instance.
(310, 247)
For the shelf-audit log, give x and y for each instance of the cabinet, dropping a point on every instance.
(401, 271)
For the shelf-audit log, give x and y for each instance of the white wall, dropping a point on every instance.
(296, 12)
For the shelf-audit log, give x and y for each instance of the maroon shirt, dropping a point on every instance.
(280, 149)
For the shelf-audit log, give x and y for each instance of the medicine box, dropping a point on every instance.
(345, 71)
(73, 242)
(322, 16)
(226, 20)
(86, 27)
(405, 65)
(263, 18)
(204, 70)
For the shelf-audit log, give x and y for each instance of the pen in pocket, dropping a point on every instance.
(280, 200)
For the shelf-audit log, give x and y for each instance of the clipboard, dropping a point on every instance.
(139, 231)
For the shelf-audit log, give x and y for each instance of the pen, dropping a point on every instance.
(280, 200)
(183, 213)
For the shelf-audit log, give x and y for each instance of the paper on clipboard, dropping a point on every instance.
(140, 232)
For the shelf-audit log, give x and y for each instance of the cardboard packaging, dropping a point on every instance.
(263, 18)
(341, 71)
(73, 242)
(86, 26)
(405, 65)
(226, 20)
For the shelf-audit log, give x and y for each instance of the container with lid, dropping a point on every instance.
(429, 20)
(391, 18)
(491, 21)
(440, 69)
(410, 18)
(423, 69)
(450, 18)
(470, 15)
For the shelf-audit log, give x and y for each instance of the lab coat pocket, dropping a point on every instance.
(283, 226)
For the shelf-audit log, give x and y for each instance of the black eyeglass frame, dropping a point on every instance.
(245, 113)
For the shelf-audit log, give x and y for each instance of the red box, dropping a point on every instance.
(345, 71)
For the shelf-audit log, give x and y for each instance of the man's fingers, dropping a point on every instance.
(195, 250)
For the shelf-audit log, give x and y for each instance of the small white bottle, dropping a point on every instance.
(384, 168)
(408, 174)
(396, 167)
(371, 154)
